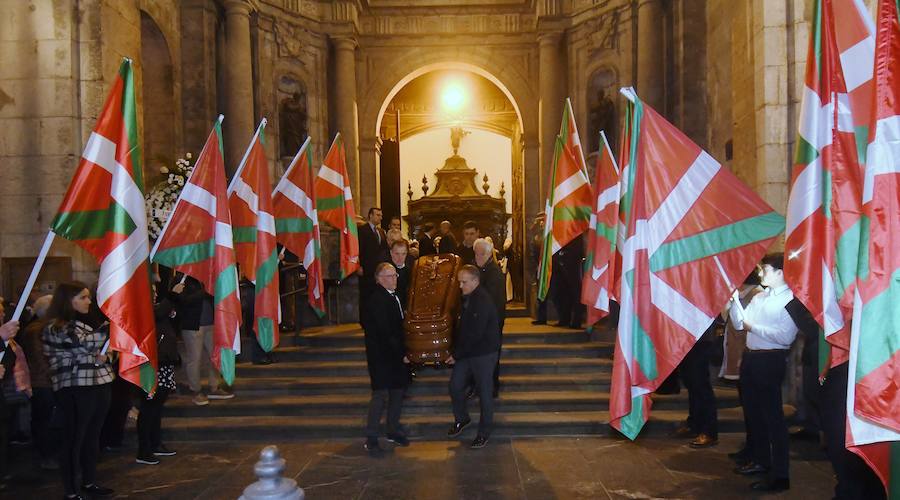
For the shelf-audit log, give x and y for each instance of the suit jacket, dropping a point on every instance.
(385, 347)
(447, 244)
(494, 282)
(466, 254)
(426, 246)
(478, 330)
(370, 248)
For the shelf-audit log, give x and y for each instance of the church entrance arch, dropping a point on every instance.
(451, 137)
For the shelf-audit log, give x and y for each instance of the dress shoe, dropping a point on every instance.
(771, 485)
(162, 451)
(704, 441)
(479, 442)
(95, 490)
(398, 439)
(751, 469)
(458, 427)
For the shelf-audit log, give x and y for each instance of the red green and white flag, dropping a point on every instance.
(690, 230)
(569, 197)
(823, 219)
(599, 264)
(197, 241)
(103, 212)
(873, 389)
(334, 204)
(297, 222)
(250, 202)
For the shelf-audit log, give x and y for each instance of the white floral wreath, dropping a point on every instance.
(160, 201)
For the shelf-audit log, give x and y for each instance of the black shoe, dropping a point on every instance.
(73, 497)
(398, 439)
(751, 469)
(539, 322)
(96, 490)
(373, 447)
(458, 427)
(479, 442)
(771, 485)
(146, 460)
(162, 451)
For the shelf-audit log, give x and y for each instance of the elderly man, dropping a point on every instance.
(476, 342)
(470, 234)
(493, 280)
(402, 262)
(386, 358)
(448, 241)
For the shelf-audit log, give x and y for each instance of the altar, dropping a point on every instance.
(456, 198)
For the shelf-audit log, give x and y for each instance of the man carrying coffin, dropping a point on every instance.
(386, 358)
(476, 343)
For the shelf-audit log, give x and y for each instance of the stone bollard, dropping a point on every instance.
(271, 486)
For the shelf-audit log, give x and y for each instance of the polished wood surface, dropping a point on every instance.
(432, 308)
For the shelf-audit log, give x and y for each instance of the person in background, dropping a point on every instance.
(45, 438)
(448, 241)
(470, 234)
(395, 223)
(7, 331)
(399, 258)
(81, 374)
(196, 315)
(703, 420)
(426, 240)
(493, 281)
(149, 423)
(372, 244)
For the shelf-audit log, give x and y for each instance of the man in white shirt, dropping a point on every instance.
(770, 333)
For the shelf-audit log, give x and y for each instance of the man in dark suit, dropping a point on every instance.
(470, 234)
(448, 241)
(426, 240)
(565, 284)
(492, 280)
(386, 358)
(372, 242)
(475, 345)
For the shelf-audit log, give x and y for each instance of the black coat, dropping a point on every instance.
(478, 330)
(493, 280)
(167, 349)
(426, 246)
(385, 347)
(370, 249)
(466, 254)
(447, 244)
(191, 304)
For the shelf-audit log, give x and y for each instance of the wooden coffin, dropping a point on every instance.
(433, 304)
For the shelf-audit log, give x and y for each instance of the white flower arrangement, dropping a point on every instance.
(160, 201)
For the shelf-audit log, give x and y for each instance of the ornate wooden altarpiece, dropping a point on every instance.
(456, 199)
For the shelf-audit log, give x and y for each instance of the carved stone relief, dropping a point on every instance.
(293, 118)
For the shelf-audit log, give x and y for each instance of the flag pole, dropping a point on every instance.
(240, 169)
(35, 270)
(178, 201)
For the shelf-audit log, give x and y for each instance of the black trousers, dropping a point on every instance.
(855, 480)
(393, 400)
(694, 371)
(84, 410)
(566, 295)
(120, 404)
(149, 424)
(481, 369)
(762, 373)
(4, 435)
(45, 436)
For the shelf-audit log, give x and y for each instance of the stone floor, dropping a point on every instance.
(590, 467)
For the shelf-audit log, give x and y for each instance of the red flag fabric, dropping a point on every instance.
(334, 204)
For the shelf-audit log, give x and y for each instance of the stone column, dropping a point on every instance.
(650, 53)
(347, 123)
(552, 88)
(239, 114)
(369, 162)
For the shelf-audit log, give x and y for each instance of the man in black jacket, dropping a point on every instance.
(475, 346)
(372, 243)
(426, 240)
(466, 250)
(386, 358)
(448, 241)
(493, 280)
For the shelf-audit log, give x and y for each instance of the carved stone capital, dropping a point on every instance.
(239, 7)
(344, 42)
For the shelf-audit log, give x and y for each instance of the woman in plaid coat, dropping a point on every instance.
(81, 375)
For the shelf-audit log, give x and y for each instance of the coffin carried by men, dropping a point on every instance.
(432, 308)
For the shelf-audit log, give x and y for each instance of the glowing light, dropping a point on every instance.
(795, 253)
(453, 97)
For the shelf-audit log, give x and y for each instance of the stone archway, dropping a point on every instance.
(158, 88)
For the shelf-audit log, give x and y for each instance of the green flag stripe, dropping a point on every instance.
(631, 424)
(226, 356)
(846, 257)
(893, 488)
(147, 376)
(244, 234)
(293, 225)
(876, 333)
(129, 119)
(226, 283)
(862, 141)
(265, 333)
(266, 271)
(570, 213)
(186, 254)
(606, 232)
(862, 266)
(93, 224)
(330, 203)
(806, 153)
(716, 241)
(644, 351)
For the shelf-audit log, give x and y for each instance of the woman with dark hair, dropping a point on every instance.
(81, 375)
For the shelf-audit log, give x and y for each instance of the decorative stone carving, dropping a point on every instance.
(601, 108)
(456, 24)
(605, 30)
(293, 118)
(288, 41)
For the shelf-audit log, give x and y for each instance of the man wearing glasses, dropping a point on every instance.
(770, 333)
(386, 358)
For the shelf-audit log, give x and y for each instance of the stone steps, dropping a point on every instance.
(524, 350)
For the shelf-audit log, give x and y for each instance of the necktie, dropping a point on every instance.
(397, 299)
(377, 234)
